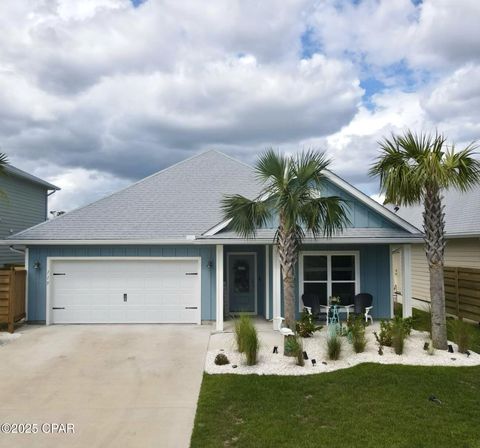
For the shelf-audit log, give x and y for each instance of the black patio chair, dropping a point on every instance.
(363, 303)
(316, 304)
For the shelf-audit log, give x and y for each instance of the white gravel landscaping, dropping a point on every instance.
(6, 337)
(277, 364)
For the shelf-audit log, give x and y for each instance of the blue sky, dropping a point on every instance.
(110, 91)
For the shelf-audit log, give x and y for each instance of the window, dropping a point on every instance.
(330, 274)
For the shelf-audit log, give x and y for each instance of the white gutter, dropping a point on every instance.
(207, 241)
(18, 251)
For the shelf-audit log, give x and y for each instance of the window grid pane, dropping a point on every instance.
(333, 275)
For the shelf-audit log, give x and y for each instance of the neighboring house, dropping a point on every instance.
(23, 203)
(158, 251)
(462, 228)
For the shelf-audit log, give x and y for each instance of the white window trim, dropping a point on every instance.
(254, 313)
(329, 281)
(51, 260)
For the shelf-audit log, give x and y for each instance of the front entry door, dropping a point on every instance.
(242, 283)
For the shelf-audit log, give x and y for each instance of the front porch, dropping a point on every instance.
(248, 278)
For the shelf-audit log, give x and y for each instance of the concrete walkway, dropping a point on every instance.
(119, 385)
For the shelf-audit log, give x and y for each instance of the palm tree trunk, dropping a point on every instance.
(287, 252)
(434, 228)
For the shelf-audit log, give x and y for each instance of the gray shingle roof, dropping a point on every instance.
(169, 205)
(462, 213)
(11, 170)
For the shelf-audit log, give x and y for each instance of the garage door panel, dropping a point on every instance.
(157, 291)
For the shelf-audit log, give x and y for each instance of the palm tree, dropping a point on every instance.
(291, 197)
(416, 168)
(3, 161)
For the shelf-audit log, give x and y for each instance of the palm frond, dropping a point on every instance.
(324, 215)
(272, 168)
(246, 215)
(308, 168)
(462, 169)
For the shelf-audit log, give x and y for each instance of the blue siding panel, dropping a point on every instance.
(37, 277)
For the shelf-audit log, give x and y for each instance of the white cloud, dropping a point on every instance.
(80, 187)
(97, 93)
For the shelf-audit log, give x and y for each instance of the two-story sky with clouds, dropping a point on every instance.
(95, 94)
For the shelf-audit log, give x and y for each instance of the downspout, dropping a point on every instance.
(18, 251)
(46, 203)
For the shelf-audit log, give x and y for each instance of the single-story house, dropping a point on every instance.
(462, 229)
(159, 251)
(23, 203)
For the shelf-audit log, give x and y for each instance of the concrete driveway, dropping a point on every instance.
(119, 385)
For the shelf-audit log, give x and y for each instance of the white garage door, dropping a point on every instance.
(125, 291)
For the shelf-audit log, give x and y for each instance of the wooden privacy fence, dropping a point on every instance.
(462, 292)
(12, 296)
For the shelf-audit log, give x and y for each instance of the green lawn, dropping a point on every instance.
(369, 405)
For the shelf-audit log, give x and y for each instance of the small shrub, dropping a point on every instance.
(399, 332)
(221, 359)
(386, 329)
(357, 332)
(250, 343)
(380, 345)
(305, 327)
(294, 346)
(385, 336)
(462, 333)
(334, 347)
(242, 325)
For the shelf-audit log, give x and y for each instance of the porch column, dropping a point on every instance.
(407, 280)
(267, 281)
(219, 287)
(276, 284)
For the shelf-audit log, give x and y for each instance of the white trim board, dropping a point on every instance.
(51, 260)
(328, 254)
(253, 313)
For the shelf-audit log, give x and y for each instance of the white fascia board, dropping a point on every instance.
(362, 197)
(207, 241)
(215, 229)
(94, 242)
(407, 240)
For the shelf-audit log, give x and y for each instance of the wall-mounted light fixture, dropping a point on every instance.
(37, 265)
(210, 264)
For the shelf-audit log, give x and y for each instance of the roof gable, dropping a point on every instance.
(363, 212)
(11, 170)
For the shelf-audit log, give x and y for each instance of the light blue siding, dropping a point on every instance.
(359, 214)
(37, 277)
(23, 205)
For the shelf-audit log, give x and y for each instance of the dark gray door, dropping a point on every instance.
(241, 283)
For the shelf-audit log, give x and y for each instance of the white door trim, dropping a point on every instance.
(254, 313)
(328, 254)
(50, 261)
